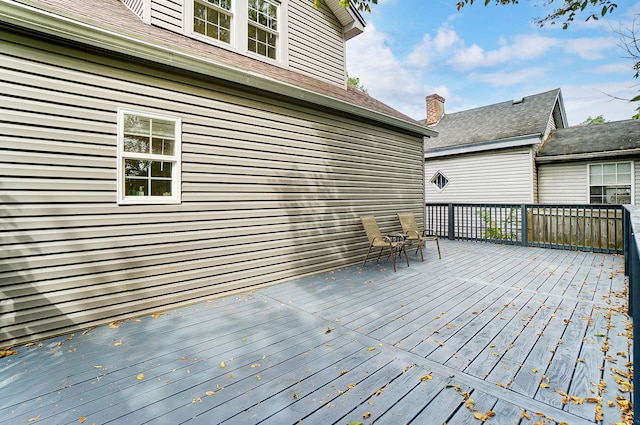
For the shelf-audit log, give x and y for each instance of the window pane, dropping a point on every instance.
(160, 188)
(136, 187)
(161, 169)
(163, 128)
(609, 168)
(212, 22)
(162, 146)
(135, 167)
(609, 178)
(138, 144)
(136, 124)
(596, 179)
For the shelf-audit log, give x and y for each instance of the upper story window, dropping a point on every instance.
(252, 27)
(610, 183)
(212, 18)
(148, 158)
(263, 28)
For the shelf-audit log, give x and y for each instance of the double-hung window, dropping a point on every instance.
(263, 28)
(212, 18)
(149, 166)
(252, 27)
(610, 183)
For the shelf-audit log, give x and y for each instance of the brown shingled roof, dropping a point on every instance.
(114, 16)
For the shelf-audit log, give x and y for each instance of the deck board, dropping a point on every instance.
(487, 323)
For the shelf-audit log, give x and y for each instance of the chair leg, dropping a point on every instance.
(438, 245)
(420, 248)
(367, 257)
(404, 249)
(393, 258)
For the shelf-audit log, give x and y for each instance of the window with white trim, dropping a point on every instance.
(439, 181)
(149, 151)
(610, 183)
(250, 27)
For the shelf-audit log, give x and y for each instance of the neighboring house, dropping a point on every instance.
(596, 164)
(155, 153)
(487, 154)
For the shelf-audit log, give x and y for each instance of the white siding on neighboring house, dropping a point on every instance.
(496, 177)
(316, 43)
(137, 6)
(568, 182)
(563, 183)
(270, 190)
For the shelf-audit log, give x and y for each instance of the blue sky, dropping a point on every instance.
(485, 55)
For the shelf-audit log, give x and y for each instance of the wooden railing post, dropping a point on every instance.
(451, 221)
(524, 223)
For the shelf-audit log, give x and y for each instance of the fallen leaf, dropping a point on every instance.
(210, 393)
(6, 353)
(223, 365)
(426, 378)
(34, 419)
(140, 376)
(367, 415)
(82, 419)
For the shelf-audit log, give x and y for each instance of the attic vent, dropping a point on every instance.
(517, 101)
(439, 181)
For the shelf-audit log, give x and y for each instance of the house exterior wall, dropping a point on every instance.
(315, 42)
(498, 176)
(568, 182)
(271, 190)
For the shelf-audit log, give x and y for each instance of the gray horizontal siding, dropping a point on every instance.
(563, 183)
(316, 43)
(270, 192)
(167, 14)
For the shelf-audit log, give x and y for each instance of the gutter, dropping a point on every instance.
(511, 142)
(587, 156)
(34, 19)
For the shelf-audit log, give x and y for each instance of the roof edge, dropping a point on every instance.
(32, 19)
(511, 142)
(588, 155)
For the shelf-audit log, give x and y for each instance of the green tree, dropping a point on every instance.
(355, 83)
(362, 5)
(566, 9)
(595, 120)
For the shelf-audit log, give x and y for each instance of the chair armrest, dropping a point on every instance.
(413, 234)
(430, 233)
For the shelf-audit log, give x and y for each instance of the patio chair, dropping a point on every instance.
(377, 240)
(410, 228)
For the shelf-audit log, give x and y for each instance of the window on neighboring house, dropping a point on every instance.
(212, 18)
(610, 183)
(439, 181)
(148, 158)
(263, 28)
(246, 26)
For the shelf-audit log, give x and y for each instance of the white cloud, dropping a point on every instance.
(590, 48)
(501, 79)
(422, 55)
(614, 68)
(523, 47)
(608, 99)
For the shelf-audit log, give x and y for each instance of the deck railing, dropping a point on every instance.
(595, 228)
(631, 249)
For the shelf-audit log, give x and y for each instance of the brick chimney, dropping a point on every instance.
(435, 108)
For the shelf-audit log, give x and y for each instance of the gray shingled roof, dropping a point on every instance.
(113, 15)
(583, 139)
(496, 122)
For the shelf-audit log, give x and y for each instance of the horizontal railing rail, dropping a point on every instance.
(588, 227)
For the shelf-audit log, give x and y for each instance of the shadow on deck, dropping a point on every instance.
(500, 334)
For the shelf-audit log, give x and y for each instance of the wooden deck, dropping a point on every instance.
(493, 333)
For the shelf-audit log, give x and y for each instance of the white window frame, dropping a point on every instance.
(631, 184)
(239, 30)
(433, 183)
(175, 159)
